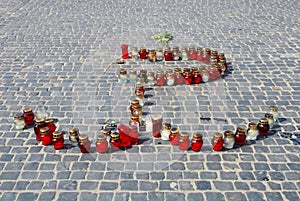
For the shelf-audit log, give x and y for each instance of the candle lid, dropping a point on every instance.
(48, 121)
(44, 130)
(269, 116)
(132, 71)
(197, 136)
(18, 116)
(134, 118)
(27, 110)
(139, 94)
(273, 108)
(101, 138)
(106, 131)
(156, 116)
(74, 131)
(39, 121)
(134, 102)
(263, 121)
(115, 136)
(123, 71)
(83, 138)
(218, 136)
(252, 125)
(240, 131)
(166, 126)
(228, 134)
(57, 134)
(151, 74)
(174, 130)
(184, 135)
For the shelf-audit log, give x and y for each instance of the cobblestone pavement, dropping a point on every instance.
(62, 54)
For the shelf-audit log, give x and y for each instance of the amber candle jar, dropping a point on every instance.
(50, 124)
(229, 140)
(124, 136)
(143, 53)
(115, 142)
(270, 119)
(140, 97)
(28, 116)
(101, 144)
(19, 121)
(160, 78)
(197, 142)
(58, 140)
(137, 111)
(39, 123)
(217, 142)
(74, 136)
(192, 54)
(184, 141)
(263, 127)
(157, 120)
(179, 79)
(152, 55)
(46, 136)
(174, 136)
(274, 112)
(84, 143)
(240, 136)
(252, 131)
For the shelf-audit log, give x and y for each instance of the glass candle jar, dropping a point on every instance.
(50, 124)
(115, 142)
(204, 74)
(213, 74)
(156, 125)
(19, 121)
(134, 121)
(222, 56)
(192, 54)
(199, 54)
(124, 136)
(214, 53)
(274, 112)
(217, 142)
(174, 136)
(58, 140)
(39, 123)
(28, 116)
(46, 136)
(132, 76)
(143, 74)
(229, 139)
(125, 54)
(170, 79)
(143, 53)
(134, 134)
(184, 141)
(223, 65)
(160, 78)
(132, 104)
(197, 142)
(101, 144)
(206, 56)
(179, 79)
(74, 136)
(165, 133)
(140, 88)
(197, 77)
(134, 53)
(240, 136)
(41, 112)
(188, 78)
(84, 144)
(137, 111)
(152, 55)
(140, 97)
(159, 54)
(270, 119)
(168, 54)
(184, 54)
(148, 124)
(252, 131)
(176, 53)
(150, 79)
(263, 127)
(123, 76)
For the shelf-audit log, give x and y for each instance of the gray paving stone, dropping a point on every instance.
(138, 196)
(291, 195)
(203, 185)
(255, 196)
(44, 196)
(108, 185)
(9, 185)
(123, 196)
(27, 196)
(9, 175)
(106, 196)
(8, 196)
(67, 196)
(214, 196)
(235, 196)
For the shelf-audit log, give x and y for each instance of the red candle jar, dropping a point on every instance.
(192, 54)
(50, 124)
(101, 144)
(197, 142)
(132, 104)
(134, 134)
(46, 136)
(217, 142)
(74, 136)
(58, 140)
(168, 54)
(263, 127)
(206, 56)
(39, 123)
(134, 121)
(143, 53)
(125, 51)
(213, 73)
(174, 136)
(240, 136)
(139, 88)
(160, 78)
(84, 144)
(115, 142)
(124, 136)
(179, 79)
(157, 125)
(214, 53)
(28, 116)
(188, 78)
(197, 77)
(199, 54)
(184, 141)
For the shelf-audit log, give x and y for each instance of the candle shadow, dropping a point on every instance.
(143, 140)
(148, 103)
(148, 95)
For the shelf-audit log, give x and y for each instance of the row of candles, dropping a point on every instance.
(174, 54)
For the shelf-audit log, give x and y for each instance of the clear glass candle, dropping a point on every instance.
(165, 133)
(157, 120)
(197, 142)
(74, 136)
(204, 74)
(28, 116)
(270, 119)
(206, 56)
(274, 112)
(115, 141)
(174, 136)
(176, 53)
(41, 112)
(148, 124)
(84, 143)
(217, 142)
(123, 76)
(140, 97)
(184, 141)
(58, 140)
(132, 76)
(150, 79)
(46, 136)
(184, 54)
(229, 140)
(101, 144)
(252, 131)
(135, 53)
(170, 79)
(19, 121)
(39, 123)
(263, 127)
(159, 54)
